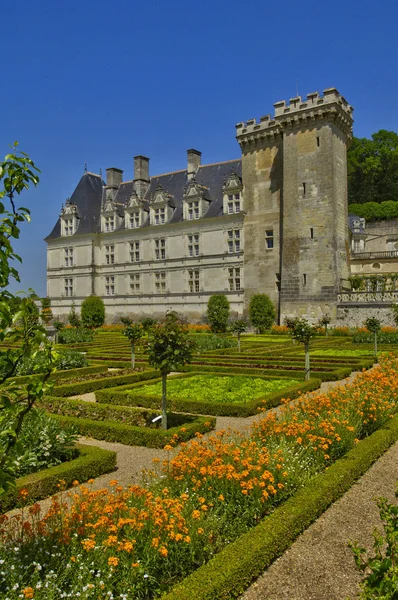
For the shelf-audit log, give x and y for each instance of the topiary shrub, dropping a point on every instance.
(75, 336)
(218, 313)
(262, 312)
(93, 312)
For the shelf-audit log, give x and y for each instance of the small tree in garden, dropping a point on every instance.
(73, 317)
(133, 332)
(218, 313)
(373, 325)
(324, 322)
(147, 323)
(302, 332)
(169, 349)
(262, 312)
(290, 322)
(239, 326)
(93, 312)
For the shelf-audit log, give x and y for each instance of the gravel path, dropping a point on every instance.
(319, 565)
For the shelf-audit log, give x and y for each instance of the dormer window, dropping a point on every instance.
(232, 199)
(159, 216)
(196, 201)
(69, 226)
(135, 212)
(193, 210)
(134, 220)
(69, 219)
(109, 217)
(161, 208)
(109, 224)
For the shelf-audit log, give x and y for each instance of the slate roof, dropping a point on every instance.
(89, 194)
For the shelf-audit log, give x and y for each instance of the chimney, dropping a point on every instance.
(141, 175)
(114, 177)
(193, 157)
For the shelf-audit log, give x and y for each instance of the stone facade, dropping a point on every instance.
(274, 221)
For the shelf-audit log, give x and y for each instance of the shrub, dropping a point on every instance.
(205, 343)
(75, 336)
(71, 359)
(262, 312)
(93, 312)
(279, 329)
(218, 313)
(73, 318)
(67, 359)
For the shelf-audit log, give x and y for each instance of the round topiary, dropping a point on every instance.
(93, 312)
(218, 313)
(262, 312)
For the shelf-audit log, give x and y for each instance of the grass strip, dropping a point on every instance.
(231, 571)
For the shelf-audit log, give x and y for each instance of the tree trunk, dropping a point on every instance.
(132, 356)
(307, 361)
(164, 401)
(326, 330)
(375, 346)
(238, 342)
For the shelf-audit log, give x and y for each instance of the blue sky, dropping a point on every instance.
(99, 82)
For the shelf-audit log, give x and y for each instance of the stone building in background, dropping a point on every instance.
(274, 221)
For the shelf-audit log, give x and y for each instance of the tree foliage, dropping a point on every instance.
(262, 312)
(74, 318)
(218, 313)
(19, 320)
(373, 168)
(93, 312)
(133, 332)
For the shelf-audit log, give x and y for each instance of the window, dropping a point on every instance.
(234, 279)
(68, 257)
(357, 245)
(234, 240)
(68, 226)
(109, 224)
(68, 286)
(110, 255)
(304, 279)
(134, 251)
(233, 203)
(194, 281)
(110, 285)
(278, 282)
(160, 249)
(318, 141)
(135, 287)
(160, 216)
(193, 210)
(160, 282)
(269, 239)
(134, 220)
(193, 244)
(304, 188)
(312, 233)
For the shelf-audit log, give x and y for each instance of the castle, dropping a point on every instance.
(274, 221)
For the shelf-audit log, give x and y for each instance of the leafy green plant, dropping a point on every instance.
(169, 349)
(93, 312)
(373, 325)
(261, 312)
(133, 332)
(218, 313)
(58, 325)
(147, 323)
(381, 581)
(207, 342)
(75, 336)
(239, 326)
(74, 319)
(302, 332)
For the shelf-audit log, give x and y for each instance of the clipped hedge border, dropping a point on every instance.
(122, 397)
(73, 389)
(90, 463)
(131, 435)
(60, 374)
(230, 572)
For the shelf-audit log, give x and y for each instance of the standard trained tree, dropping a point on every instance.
(239, 326)
(302, 332)
(169, 349)
(373, 325)
(93, 312)
(133, 332)
(21, 336)
(218, 313)
(261, 312)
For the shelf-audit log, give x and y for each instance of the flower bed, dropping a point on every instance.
(141, 541)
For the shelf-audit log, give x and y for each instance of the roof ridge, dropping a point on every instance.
(223, 162)
(95, 174)
(169, 173)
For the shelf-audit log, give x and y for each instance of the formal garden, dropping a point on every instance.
(218, 504)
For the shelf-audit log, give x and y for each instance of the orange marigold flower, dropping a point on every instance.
(221, 497)
(201, 530)
(196, 514)
(113, 561)
(187, 539)
(28, 592)
(137, 564)
(163, 551)
(155, 542)
(88, 545)
(23, 493)
(168, 447)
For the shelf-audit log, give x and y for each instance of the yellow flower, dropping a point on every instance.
(201, 530)
(163, 551)
(113, 561)
(28, 592)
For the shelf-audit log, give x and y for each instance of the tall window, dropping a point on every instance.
(234, 279)
(135, 287)
(110, 285)
(194, 281)
(234, 240)
(193, 210)
(356, 245)
(269, 239)
(68, 226)
(233, 203)
(160, 282)
(109, 224)
(68, 257)
(110, 254)
(159, 216)
(160, 249)
(193, 244)
(135, 251)
(134, 220)
(68, 286)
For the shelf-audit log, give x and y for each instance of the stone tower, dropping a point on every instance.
(294, 169)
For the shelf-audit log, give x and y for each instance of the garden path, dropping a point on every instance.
(319, 565)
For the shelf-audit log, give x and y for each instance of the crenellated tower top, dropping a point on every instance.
(332, 106)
